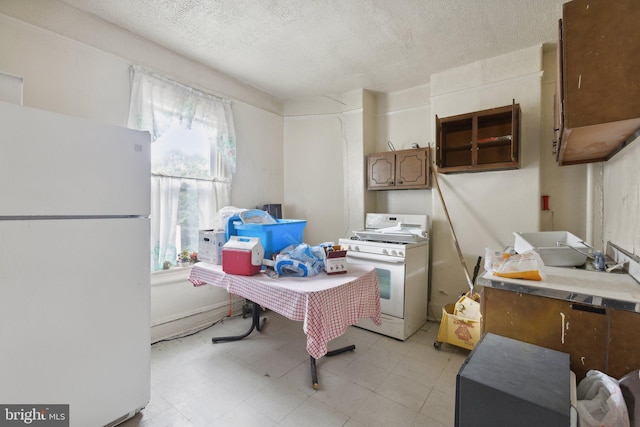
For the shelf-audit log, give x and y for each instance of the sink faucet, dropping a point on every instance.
(562, 244)
(598, 261)
(597, 256)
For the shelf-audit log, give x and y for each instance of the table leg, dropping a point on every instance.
(255, 324)
(314, 372)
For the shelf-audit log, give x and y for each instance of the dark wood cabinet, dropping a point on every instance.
(624, 342)
(595, 337)
(598, 95)
(549, 323)
(396, 170)
(479, 141)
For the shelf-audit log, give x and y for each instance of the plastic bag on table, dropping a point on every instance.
(301, 260)
(219, 221)
(527, 265)
(600, 402)
(256, 216)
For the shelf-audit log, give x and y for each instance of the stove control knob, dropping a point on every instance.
(394, 252)
(401, 253)
(356, 248)
(385, 252)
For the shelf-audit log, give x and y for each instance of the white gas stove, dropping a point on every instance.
(397, 245)
(389, 234)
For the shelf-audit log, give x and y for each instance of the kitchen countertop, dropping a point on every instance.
(609, 290)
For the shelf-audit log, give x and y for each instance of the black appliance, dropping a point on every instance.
(505, 382)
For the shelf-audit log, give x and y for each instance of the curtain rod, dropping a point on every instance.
(176, 83)
(190, 178)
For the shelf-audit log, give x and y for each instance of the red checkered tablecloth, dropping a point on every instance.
(327, 304)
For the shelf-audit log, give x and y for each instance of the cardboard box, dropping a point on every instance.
(336, 262)
(210, 244)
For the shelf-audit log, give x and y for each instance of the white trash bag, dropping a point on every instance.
(600, 402)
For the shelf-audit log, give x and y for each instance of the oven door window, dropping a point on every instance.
(391, 272)
(384, 283)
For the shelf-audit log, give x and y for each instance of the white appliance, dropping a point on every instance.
(398, 247)
(74, 266)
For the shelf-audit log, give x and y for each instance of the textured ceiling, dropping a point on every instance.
(304, 48)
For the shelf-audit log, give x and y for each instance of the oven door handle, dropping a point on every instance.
(375, 257)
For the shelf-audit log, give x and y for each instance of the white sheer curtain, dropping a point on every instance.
(193, 152)
(164, 218)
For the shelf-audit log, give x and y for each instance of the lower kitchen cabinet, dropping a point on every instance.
(580, 330)
(624, 342)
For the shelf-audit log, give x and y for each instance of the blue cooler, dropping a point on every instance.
(273, 237)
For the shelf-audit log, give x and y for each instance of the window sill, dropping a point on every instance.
(173, 275)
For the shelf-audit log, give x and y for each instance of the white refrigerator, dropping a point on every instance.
(74, 266)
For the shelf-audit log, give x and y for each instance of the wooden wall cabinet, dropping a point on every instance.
(398, 170)
(595, 337)
(598, 92)
(480, 141)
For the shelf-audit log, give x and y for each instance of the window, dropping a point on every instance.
(192, 160)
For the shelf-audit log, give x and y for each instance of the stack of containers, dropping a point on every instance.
(274, 236)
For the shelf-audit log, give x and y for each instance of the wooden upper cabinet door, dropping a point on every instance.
(381, 170)
(412, 169)
(558, 101)
(600, 42)
(600, 85)
(399, 170)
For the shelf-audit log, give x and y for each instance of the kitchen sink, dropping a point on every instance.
(556, 248)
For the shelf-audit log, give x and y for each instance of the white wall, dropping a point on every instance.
(259, 157)
(599, 201)
(404, 118)
(313, 160)
(314, 174)
(485, 207)
(621, 199)
(10, 88)
(566, 186)
(325, 143)
(74, 64)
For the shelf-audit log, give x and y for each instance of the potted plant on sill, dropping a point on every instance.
(185, 259)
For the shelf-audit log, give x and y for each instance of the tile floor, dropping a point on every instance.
(265, 380)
